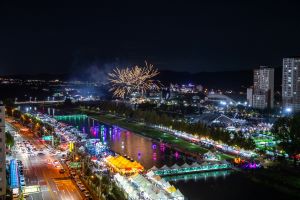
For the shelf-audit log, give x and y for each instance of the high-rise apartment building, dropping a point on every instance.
(291, 84)
(250, 96)
(2, 153)
(263, 88)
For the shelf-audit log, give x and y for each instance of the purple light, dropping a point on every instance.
(153, 146)
(154, 156)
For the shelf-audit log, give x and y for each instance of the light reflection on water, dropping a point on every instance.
(149, 153)
(205, 186)
(198, 176)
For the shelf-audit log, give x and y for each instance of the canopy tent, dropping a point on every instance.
(165, 167)
(185, 165)
(122, 165)
(154, 168)
(150, 173)
(195, 164)
(175, 166)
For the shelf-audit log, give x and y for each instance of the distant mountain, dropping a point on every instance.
(38, 76)
(234, 80)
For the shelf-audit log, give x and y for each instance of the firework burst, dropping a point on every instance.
(139, 79)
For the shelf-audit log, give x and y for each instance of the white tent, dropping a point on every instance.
(165, 167)
(154, 168)
(175, 166)
(195, 164)
(150, 173)
(185, 165)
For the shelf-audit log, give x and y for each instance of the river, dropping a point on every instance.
(209, 186)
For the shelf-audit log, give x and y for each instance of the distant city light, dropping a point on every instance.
(288, 110)
(223, 103)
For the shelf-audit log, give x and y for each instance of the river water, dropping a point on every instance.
(209, 186)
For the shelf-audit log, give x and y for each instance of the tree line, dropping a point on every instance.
(153, 116)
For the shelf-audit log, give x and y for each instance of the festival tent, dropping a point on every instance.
(161, 195)
(153, 168)
(164, 183)
(123, 165)
(195, 164)
(150, 173)
(175, 166)
(178, 195)
(185, 165)
(165, 167)
(171, 189)
(141, 181)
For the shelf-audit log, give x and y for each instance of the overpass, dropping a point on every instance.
(38, 102)
(49, 102)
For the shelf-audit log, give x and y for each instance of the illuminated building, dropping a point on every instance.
(263, 88)
(291, 84)
(2, 152)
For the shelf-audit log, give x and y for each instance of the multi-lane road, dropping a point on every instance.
(40, 170)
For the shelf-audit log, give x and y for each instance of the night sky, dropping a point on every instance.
(67, 37)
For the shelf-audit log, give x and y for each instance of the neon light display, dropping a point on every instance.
(14, 178)
(164, 171)
(70, 117)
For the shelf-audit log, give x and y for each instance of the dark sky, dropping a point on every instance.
(66, 37)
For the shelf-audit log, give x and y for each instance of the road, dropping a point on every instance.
(40, 170)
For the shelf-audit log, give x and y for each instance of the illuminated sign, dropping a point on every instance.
(75, 165)
(47, 138)
(71, 146)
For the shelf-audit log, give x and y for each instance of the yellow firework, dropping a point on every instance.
(136, 78)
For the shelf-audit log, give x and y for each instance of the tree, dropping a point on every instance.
(287, 132)
(9, 139)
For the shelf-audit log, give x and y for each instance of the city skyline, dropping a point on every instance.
(42, 38)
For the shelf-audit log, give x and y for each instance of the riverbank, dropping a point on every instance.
(140, 128)
(266, 177)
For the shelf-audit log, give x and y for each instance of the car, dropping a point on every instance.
(22, 182)
(80, 185)
(55, 162)
(87, 194)
(82, 188)
(62, 171)
(73, 173)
